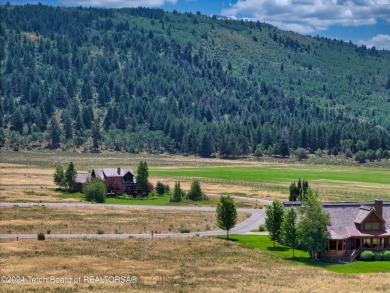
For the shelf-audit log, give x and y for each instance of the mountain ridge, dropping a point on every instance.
(148, 80)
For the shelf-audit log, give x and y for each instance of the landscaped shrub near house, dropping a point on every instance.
(377, 255)
(367, 255)
(95, 191)
(386, 255)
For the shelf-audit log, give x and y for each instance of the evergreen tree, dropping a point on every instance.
(70, 176)
(226, 214)
(68, 125)
(177, 193)
(17, 120)
(55, 131)
(143, 179)
(195, 192)
(96, 135)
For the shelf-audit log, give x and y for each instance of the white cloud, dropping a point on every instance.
(119, 3)
(379, 41)
(306, 16)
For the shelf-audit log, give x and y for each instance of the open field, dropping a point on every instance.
(200, 264)
(35, 195)
(332, 182)
(264, 243)
(267, 180)
(74, 220)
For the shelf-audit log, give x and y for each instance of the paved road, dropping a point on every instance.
(257, 217)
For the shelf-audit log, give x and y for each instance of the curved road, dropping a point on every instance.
(257, 217)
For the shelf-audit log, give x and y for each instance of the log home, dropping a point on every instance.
(355, 227)
(117, 180)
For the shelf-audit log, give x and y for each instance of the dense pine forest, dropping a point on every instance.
(139, 80)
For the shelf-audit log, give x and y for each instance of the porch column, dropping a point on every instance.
(337, 246)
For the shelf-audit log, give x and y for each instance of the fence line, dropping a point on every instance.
(263, 184)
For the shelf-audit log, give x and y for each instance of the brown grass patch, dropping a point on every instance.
(199, 264)
(32, 195)
(87, 220)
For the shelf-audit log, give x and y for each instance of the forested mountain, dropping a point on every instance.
(148, 80)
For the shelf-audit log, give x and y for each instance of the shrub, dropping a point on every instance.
(262, 228)
(41, 236)
(386, 255)
(367, 255)
(360, 157)
(301, 153)
(348, 153)
(371, 155)
(377, 255)
(95, 191)
(184, 230)
(99, 231)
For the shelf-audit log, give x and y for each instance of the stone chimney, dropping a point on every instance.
(119, 171)
(379, 206)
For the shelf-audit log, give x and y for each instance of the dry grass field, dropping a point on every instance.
(87, 220)
(200, 264)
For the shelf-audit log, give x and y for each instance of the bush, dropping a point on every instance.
(360, 157)
(386, 255)
(367, 255)
(348, 153)
(262, 228)
(99, 231)
(41, 236)
(377, 255)
(95, 191)
(301, 153)
(184, 230)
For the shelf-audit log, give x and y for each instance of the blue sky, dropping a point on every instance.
(361, 21)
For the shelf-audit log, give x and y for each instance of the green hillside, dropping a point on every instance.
(148, 80)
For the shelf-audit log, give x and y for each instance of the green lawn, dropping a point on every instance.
(154, 201)
(282, 173)
(265, 244)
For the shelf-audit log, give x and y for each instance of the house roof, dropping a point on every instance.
(112, 172)
(82, 177)
(344, 217)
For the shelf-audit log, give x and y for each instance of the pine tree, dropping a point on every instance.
(96, 135)
(55, 131)
(70, 176)
(177, 193)
(195, 192)
(142, 178)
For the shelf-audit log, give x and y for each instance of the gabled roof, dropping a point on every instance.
(344, 217)
(364, 212)
(112, 172)
(82, 177)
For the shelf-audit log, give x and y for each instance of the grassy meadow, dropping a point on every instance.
(108, 220)
(198, 264)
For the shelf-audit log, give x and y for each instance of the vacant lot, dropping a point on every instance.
(74, 220)
(199, 264)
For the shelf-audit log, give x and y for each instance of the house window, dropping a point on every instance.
(371, 226)
(367, 243)
(375, 226)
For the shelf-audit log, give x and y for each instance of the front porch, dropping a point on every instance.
(349, 249)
